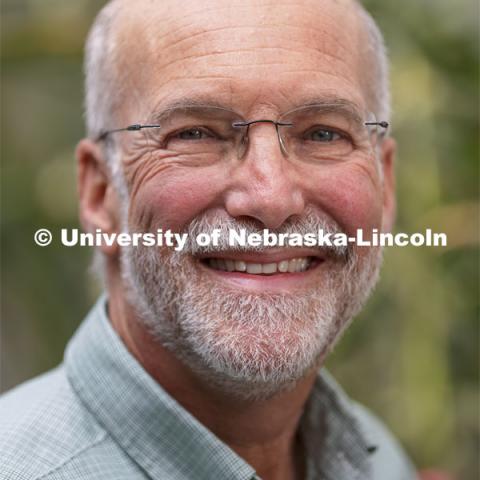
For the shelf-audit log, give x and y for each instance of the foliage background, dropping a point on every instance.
(412, 356)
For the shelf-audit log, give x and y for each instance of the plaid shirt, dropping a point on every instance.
(100, 416)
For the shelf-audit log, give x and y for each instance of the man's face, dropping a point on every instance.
(260, 60)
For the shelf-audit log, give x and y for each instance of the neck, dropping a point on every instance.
(264, 433)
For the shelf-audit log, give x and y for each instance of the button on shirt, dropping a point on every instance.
(100, 416)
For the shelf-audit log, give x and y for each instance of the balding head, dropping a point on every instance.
(131, 45)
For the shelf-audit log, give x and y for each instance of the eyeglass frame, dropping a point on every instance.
(138, 126)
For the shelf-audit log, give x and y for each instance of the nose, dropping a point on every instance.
(265, 185)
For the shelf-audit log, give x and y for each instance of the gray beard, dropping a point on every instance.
(251, 346)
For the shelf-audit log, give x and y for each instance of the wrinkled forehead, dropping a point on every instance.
(240, 53)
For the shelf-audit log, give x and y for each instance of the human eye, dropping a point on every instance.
(325, 141)
(193, 133)
(323, 135)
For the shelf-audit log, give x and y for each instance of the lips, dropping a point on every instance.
(272, 270)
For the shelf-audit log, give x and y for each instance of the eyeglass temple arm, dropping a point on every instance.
(382, 124)
(130, 128)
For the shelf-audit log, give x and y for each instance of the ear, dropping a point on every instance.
(388, 155)
(98, 200)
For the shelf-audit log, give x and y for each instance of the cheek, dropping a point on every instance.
(352, 196)
(172, 200)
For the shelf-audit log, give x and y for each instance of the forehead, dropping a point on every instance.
(242, 54)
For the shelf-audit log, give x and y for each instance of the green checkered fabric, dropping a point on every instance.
(100, 416)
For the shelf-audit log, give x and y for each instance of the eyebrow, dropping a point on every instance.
(331, 103)
(163, 111)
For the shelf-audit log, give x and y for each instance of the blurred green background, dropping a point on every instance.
(412, 356)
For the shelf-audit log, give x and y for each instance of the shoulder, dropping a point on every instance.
(349, 419)
(44, 426)
(388, 458)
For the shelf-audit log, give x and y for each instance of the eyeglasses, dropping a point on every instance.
(201, 134)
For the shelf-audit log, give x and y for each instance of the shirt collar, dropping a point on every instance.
(337, 445)
(161, 436)
(147, 423)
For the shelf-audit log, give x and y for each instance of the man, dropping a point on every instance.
(205, 363)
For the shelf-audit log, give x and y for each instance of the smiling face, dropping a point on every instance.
(256, 318)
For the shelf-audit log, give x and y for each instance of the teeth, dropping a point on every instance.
(269, 268)
(283, 266)
(240, 266)
(254, 268)
(292, 266)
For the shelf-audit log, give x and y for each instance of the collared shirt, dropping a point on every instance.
(100, 416)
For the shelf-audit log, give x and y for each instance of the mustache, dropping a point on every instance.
(308, 223)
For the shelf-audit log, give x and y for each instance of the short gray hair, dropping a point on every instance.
(101, 77)
(99, 70)
(379, 73)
